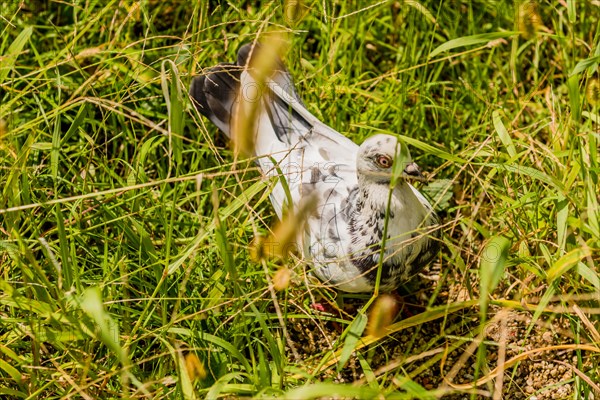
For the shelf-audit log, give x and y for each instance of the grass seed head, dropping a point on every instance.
(529, 20)
(261, 62)
(382, 315)
(281, 279)
(592, 93)
(257, 248)
(3, 129)
(293, 11)
(194, 367)
(284, 239)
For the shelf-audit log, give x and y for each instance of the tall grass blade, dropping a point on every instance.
(55, 149)
(10, 393)
(503, 134)
(219, 389)
(273, 346)
(562, 215)
(493, 262)
(12, 372)
(470, 41)
(221, 238)
(566, 262)
(591, 64)
(231, 349)
(574, 98)
(353, 334)
(172, 92)
(593, 208)
(572, 11)
(542, 305)
(107, 328)
(63, 242)
(588, 274)
(332, 390)
(8, 60)
(527, 171)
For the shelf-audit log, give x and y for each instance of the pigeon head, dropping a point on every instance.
(376, 158)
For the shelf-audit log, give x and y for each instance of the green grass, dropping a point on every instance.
(126, 228)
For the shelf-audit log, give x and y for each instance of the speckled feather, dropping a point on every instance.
(343, 237)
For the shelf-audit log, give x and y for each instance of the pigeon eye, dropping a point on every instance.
(383, 161)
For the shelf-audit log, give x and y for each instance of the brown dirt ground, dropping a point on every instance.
(436, 350)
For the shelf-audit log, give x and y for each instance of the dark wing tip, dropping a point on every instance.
(198, 95)
(245, 51)
(214, 92)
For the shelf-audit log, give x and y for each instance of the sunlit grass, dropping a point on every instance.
(128, 224)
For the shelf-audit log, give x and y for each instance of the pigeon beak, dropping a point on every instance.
(412, 170)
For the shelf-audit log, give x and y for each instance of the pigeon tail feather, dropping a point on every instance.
(216, 93)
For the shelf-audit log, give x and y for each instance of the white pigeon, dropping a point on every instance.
(343, 238)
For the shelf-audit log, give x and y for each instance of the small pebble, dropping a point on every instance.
(547, 337)
(529, 389)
